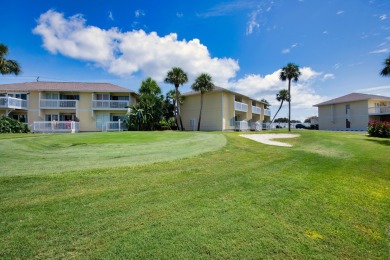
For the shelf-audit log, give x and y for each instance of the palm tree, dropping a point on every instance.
(290, 72)
(177, 77)
(386, 70)
(7, 66)
(281, 97)
(203, 83)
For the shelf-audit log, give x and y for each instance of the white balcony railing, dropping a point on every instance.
(255, 126)
(15, 103)
(55, 127)
(58, 103)
(256, 110)
(110, 104)
(381, 110)
(115, 126)
(241, 126)
(267, 112)
(238, 106)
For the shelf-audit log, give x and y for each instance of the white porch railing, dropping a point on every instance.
(267, 112)
(241, 126)
(15, 103)
(58, 103)
(115, 126)
(255, 126)
(256, 110)
(110, 104)
(238, 106)
(55, 127)
(266, 126)
(381, 110)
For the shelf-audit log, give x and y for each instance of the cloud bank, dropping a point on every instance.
(126, 53)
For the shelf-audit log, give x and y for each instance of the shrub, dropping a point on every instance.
(9, 125)
(379, 129)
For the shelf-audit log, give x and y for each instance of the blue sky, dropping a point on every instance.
(340, 45)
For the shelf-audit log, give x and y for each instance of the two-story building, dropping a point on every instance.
(66, 106)
(353, 111)
(223, 110)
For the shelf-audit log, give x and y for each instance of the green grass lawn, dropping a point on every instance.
(327, 197)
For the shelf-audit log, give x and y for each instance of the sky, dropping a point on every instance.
(339, 45)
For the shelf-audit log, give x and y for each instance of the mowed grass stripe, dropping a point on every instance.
(66, 152)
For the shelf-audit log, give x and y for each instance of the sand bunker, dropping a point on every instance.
(267, 138)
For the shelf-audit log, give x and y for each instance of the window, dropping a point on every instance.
(51, 96)
(102, 96)
(347, 109)
(51, 117)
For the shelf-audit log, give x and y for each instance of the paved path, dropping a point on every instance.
(267, 138)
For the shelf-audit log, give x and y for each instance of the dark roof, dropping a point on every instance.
(218, 89)
(63, 86)
(352, 98)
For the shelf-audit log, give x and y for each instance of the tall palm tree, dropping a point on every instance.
(386, 70)
(7, 66)
(177, 77)
(203, 83)
(290, 72)
(281, 97)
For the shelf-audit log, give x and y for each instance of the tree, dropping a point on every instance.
(146, 115)
(386, 70)
(7, 66)
(177, 77)
(290, 72)
(266, 103)
(203, 83)
(169, 108)
(281, 97)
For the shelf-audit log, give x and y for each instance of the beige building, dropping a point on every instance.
(353, 111)
(223, 110)
(66, 106)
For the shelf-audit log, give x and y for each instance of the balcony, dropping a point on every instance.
(110, 104)
(256, 110)
(55, 127)
(241, 126)
(238, 106)
(13, 103)
(380, 110)
(58, 103)
(267, 112)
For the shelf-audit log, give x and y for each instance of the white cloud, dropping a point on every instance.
(328, 76)
(302, 92)
(179, 15)
(383, 17)
(288, 50)
(340, 12)
(126, 53)
(252, 23)
(385, 50)
(139, 13)
(380, 90)
(325, 32)
(111, 16)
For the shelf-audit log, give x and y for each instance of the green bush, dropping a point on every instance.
(379, 129)
(9, 125)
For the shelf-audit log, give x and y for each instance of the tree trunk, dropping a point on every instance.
(289, 106)
(200, 113)
(281, 104)
(177, 104)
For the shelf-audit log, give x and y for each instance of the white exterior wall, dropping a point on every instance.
(333, 117)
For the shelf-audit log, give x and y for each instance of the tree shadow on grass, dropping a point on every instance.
(384, 141)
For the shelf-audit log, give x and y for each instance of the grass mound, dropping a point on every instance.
(55, 153)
